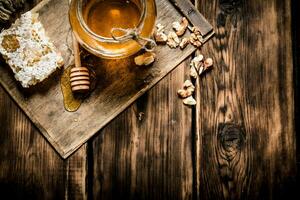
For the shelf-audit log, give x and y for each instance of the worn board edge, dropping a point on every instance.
(31, 117)
(91, 132)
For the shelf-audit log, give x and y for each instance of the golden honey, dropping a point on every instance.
(71, 102)
(92, 22)
(102, 16)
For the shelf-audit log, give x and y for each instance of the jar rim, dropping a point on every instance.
(117, 39)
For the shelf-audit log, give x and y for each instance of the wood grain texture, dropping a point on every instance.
(29, 167)
(245, 128)
(242, 146)
(296, 58)
(76, 173)
(120, 83)
(146, 152)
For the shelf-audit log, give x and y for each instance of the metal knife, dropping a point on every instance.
(195, 17)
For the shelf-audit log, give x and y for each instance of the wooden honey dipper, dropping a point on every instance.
(79, 76)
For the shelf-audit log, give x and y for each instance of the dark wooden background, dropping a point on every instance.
(296, 59)
(238, 143)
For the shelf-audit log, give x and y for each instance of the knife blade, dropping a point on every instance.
(194, 17)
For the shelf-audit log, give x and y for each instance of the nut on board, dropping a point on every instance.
(160, 37)
(159, 34)
(145, 59)
(173, 40)
(181, 27)
(194, 40)
(184, 42)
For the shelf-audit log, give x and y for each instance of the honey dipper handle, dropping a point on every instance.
(76, 52)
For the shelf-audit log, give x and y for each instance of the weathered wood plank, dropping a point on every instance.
(296, 58)
(77, 174)
(29, 167)
(245, 128)
(145, 153)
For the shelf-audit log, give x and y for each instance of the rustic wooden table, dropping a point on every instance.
(238, 143)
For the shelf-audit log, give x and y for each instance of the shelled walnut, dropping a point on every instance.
(186, 93)
(184, 42)
(194, 40)
(188, 84)
(197, 61)
(181, 27)
(173, 40)
(145, 59)
(189, 101)
(199, 65)
(159, 35)
(188, 89)
(160, 27)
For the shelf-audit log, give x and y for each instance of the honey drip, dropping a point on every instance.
(71, 102)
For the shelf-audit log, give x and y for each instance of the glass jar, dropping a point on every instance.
(113, 28)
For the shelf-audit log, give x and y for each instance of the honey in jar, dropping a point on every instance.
(102, 16)
(109, 28)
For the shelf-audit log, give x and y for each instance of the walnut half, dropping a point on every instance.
(188, 89)
(189, 101)
(173, 40)
(181, 27)
(145, 59)
(160, 37)
(159, 34)
(184, 42)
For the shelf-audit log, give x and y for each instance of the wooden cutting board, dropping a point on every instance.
(119, 83)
